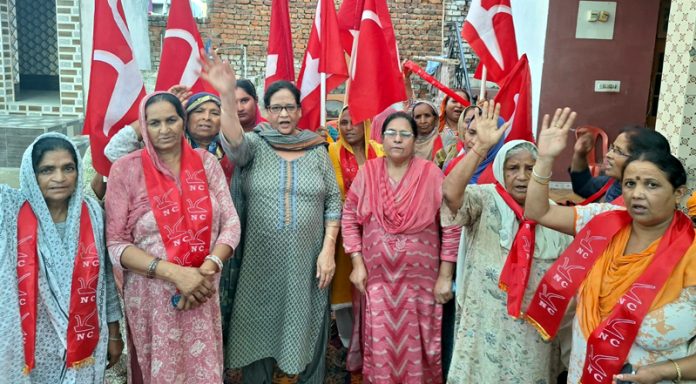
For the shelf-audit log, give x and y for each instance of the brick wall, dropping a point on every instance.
(235, 25)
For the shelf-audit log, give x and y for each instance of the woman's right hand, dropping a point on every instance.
(553, 136)
(218, 73)
(487, 132)
(359, 276)
(583, 144)
(193, 285)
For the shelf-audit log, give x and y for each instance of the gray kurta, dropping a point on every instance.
(279, 311)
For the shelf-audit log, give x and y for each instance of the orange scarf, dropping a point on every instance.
(614, 273)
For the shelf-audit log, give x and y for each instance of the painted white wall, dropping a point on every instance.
(530, 19)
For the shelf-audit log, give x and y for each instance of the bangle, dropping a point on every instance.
(152, 267)
(330, 237)
(215, 260)
(541, 177)
(119, 338)
(679, 373)
(355, 254)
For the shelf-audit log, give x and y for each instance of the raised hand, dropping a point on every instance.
(583, 144)
(553, 136)
(218, 73)
(181, 91)
(487, 132)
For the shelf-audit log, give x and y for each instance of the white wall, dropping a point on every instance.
(530, 19)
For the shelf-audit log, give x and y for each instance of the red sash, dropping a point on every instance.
(598, 195)
(185, 232)
(515, 274)
(83, 319)
(349, 165)
(609, 344)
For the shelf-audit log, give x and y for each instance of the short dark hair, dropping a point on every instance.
(248, 87)
(643, 139)
(169, 98)
(277, 86)
(49, 144)
(401, 115)
(665, 162)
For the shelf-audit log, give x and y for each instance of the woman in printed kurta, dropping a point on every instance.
(632, 270)
(490, 342)
(293, 208)
(348, 155)
(391, 229)
(169, 340)
(58, 243)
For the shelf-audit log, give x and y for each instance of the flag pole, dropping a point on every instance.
(482, 95)
(323, 99)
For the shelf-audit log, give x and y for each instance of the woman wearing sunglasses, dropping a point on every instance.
(391, 230)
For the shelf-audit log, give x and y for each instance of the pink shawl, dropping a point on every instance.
(408, 207)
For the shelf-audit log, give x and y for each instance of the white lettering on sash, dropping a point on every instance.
(594, 368)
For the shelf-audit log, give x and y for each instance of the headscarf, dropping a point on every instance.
(691, 205)
(491, 156)
(56, 260)
(425, 144)
(302, 140)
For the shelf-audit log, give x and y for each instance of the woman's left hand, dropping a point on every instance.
(443, 289)
(326, 267)
(113, 352)
(208, 268)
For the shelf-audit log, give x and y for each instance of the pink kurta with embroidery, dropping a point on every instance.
(172, 346)
(400, 327)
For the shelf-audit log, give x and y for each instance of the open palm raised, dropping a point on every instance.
(487, 132)
(553, 136)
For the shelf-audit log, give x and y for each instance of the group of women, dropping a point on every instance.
(385, 235)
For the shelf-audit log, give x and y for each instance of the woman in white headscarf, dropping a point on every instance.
(495, 283)
(59, 319)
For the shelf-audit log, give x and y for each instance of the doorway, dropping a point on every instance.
(37, 52)
(658, 59)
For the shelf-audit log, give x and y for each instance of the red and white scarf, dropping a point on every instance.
(184, 217)
(609, 344)
(83, 318)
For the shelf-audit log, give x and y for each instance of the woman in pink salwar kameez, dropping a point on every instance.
(170, 225)
(391, 230)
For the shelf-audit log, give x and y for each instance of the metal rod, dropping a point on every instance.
(458, 28)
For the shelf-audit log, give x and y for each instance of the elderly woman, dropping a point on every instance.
(391, 230)
(348, 155)
(59, 322)
(170, 226)
(499, 265)
(293, 208)
(606, 187)
(632, 270)
(428, 142)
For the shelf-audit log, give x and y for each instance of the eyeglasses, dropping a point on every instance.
(276, 109)
(394, 132)
(615, 149)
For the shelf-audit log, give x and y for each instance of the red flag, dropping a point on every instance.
(349, 15)
(489, 30)
(180, 51)
(376, 78)
(515, 97)
(116, 85)
(279, 62)
(323, 55)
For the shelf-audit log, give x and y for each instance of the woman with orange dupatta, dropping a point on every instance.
(170, 226)
(633, 269)
(391, 230)
(348, 155)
